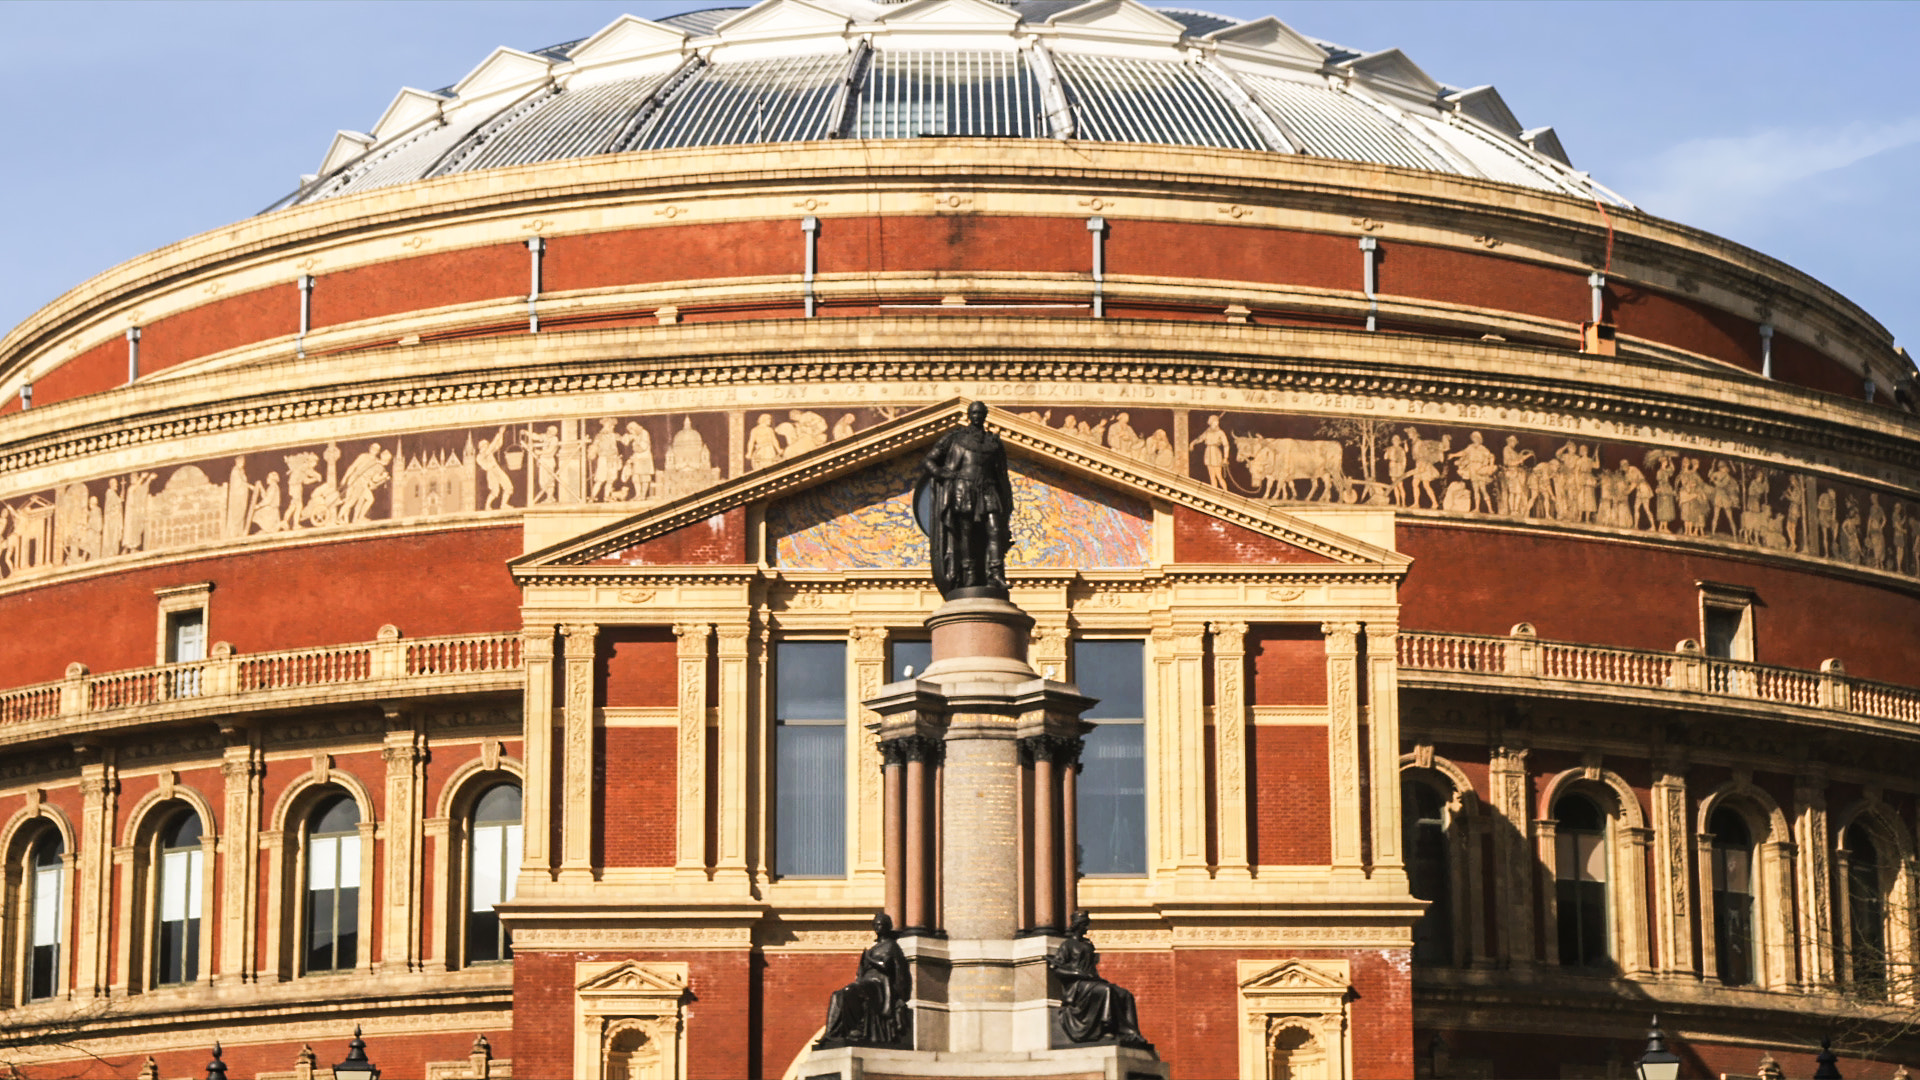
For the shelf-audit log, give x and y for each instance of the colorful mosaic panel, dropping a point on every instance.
(865, 522)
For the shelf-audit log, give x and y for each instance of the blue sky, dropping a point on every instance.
(1791, 128)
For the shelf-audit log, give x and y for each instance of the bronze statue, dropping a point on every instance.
(872, 1009)
(1092, 1010)
(964, 501)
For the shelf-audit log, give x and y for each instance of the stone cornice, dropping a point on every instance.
(896, 349)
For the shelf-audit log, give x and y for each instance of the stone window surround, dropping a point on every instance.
(174, 599)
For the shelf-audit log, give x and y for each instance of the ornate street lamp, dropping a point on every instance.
(1827, 1065)
(357, 1067)
(1658, 1063)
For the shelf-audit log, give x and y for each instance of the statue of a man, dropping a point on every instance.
(967, 501)
(872, 1009)
(1092, 1010)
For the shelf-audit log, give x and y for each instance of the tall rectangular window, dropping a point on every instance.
(43, 976)
(909, 658)
(1113, 785)
(810, 755)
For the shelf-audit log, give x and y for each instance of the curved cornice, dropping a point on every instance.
(1646, 249)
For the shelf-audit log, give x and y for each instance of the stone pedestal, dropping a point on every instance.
(984, 880)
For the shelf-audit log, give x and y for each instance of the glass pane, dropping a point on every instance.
(349, 862)
(346, 949)
(810, 800)
(1112, 816)
(185, 830)
(1723, 630)
(811, 680)
(1593, 857)
(46, 906)
(323, 861)
(511, 870)
(1114, 672)
(500, 803)
(173, 886)
(489, 845)
(186, 636)
(320, 929)
(196, 867)
(910, 658)
(1735, 867)
(1566, 857)
(1593, 923)
(337, 815)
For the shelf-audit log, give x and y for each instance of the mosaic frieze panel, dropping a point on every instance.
(637, 460)
(1525, 476)
(865, 522)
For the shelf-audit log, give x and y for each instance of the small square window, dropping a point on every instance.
(1726, 621)
(183, 623)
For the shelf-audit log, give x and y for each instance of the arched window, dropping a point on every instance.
(46, 908)
(1733, 924)
(493, 858)
(1423, 832)
(1581, 886)
(177, 931)
(1866, 914)
(332, 909)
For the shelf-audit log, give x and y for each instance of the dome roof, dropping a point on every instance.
(791, 70)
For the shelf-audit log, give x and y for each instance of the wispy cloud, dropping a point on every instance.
(1722, 181)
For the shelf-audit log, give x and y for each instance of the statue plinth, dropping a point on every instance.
(980, 757)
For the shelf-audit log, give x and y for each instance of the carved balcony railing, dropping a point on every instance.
(1523, 655)
(227, 681)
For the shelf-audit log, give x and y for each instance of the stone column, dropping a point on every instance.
(1817, 935)
(735, 706)
(1383, 742)
(242, 770)
(1180, 719)
(1774, 889)
(1070, 829)
(1709, 948)
(1672, 887)
(1632, 887)
(691, 796)
(923, 756)
(1513, 857)
(405, 754)
(99, 791)
(1230, 748)
(894, 792)
(1046, 908)
(576, 785)
(536, 721)
(1343, 740)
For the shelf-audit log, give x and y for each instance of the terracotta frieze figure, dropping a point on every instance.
(1092, 1010)
(872, 1010)
(964, 501)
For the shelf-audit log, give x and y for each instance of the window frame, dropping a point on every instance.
(300, 950)
(1740, 600)
(477, 792)
(850, 746)
(1609, 894)
(1452, 917)
(1147, 728)
(196, 948)
(176, 600)
(22, 901)
(1715, 874)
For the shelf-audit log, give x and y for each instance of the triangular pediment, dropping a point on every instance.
(627, 38)
(1271, 40)
(635, 977)
(783, 16)
(409, 110)
(1485, 104)
(1397, 71)
(1124, 17)
(943, 13)
(823, 509)
(505, 69)
(1296, 976)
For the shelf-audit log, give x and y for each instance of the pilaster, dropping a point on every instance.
(536, 718)
(1775, 879)
(1513, 861)
(1230, 748)
(1673, 889)
(1343, 741)
(865, 810)
(690, 829)
(576, 784)
(99, 791)
(735, 718)
(1817, 934)
(1383, 742)
(242, 769)
(405, 753)
(1179, 653)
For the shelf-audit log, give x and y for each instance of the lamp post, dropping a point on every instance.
(1827, 1065)
(356, 1066)
(1658, 1063)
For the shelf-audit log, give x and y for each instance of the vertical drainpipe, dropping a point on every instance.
(1766, 350)
(536, 248)
(306, 314)
(1098, 227)
(133, 353)
(811, 226)
(26, 396)
(1597, 281)
(1368, 276)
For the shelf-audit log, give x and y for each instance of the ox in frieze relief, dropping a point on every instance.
(1528, 476)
